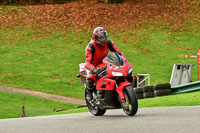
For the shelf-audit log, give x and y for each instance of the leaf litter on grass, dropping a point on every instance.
(89, 14)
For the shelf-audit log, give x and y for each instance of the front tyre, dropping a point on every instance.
(95, 110)
(130, 103)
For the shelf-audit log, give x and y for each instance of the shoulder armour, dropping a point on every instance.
(109, 43)
(92, 47)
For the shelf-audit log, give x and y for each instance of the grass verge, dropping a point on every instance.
(10, 105)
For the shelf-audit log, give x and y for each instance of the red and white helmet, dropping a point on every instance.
(100, 35)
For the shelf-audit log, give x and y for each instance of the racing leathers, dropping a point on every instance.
(95, 53)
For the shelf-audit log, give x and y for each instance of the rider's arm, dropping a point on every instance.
(115, 49)
(88, 61)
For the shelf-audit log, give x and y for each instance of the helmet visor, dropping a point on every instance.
(102, 38)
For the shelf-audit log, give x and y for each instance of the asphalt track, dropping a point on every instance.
(147, 120)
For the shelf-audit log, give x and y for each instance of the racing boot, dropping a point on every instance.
(89, 94)
(89, 89)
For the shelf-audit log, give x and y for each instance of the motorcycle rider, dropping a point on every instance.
(95, 52)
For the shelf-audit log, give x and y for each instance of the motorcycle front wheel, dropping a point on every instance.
(130, 102)
(95, 110)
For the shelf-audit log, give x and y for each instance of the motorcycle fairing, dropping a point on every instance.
(121, 88)
(82, 69)
(105, 84)
(113, 68)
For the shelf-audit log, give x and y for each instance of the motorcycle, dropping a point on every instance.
(113, 87)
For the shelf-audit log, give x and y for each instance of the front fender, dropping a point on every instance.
(121, 88)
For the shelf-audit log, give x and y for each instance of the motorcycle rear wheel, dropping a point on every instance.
(130, 103)
(95, 110)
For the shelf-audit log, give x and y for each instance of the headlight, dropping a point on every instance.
(117, 74)
(130, 70)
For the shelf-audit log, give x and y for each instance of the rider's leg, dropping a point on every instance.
(89, 88)
(90, 81)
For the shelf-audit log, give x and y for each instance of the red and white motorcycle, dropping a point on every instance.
(114, 89)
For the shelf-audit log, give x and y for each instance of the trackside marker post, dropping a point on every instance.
(198, 61)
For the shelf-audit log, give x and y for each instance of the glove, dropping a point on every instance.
(97, 71)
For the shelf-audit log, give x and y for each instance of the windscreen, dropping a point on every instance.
(114, 58)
